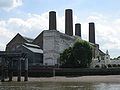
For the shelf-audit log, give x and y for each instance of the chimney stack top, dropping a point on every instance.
(68, 9)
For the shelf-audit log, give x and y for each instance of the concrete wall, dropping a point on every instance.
(54, 43)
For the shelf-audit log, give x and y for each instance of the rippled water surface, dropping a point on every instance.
(58, 86)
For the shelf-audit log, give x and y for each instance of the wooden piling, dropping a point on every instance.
(2, 70)
(53, 72)
(26, 70)
(10, 73)
(19, 70)
(7, 59)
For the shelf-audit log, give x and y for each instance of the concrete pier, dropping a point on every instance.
(68, 22)
(91, 32)
(78, 29)
(52, 20)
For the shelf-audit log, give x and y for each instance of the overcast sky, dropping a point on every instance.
(30, 17)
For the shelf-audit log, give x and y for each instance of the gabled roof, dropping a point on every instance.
(25, 39)
(18, 35)
(39, 40)
(40, 36)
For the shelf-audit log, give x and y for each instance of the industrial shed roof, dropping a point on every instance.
(33, 49)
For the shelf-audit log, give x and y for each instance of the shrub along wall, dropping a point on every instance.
(49, 72)
(73, 72)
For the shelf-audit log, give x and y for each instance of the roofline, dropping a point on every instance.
(38, 36)
(14, 38)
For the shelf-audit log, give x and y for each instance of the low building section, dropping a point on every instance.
(34, 53)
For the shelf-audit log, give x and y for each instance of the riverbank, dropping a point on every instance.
(107, 78)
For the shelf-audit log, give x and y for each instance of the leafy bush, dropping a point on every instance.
(109, 65)
(80, 55)
(73, 72)
(114, 65)
(97, 66)
(118, 65)
(103, 66)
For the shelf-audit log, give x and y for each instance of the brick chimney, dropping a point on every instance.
(91, 32)
(68, 22)
(78, 29)
(52, 20)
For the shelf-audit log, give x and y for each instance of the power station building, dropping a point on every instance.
(45, 49)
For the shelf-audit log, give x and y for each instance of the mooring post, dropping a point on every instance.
(53, 72)
(19, 70)
(3, 71)
(26, 70)
(10, 69)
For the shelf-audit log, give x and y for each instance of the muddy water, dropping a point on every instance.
(58, 86)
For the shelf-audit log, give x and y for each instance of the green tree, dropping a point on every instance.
(66, 57)
(82, 52)
(80, 55)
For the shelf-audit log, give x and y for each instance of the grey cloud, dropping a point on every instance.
(9, 4)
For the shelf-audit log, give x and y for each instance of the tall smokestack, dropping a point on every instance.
(52, 20)
(78, 29)
(68, 22)
(91, 32)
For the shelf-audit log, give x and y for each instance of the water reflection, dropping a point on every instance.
(58, 86)
(107, 86)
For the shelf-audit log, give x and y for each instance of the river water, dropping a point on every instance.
(58, 86)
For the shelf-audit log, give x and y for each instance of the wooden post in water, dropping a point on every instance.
(3, 71)
(10, 69)
(19, 70)
(53, 72)
(26, 70)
